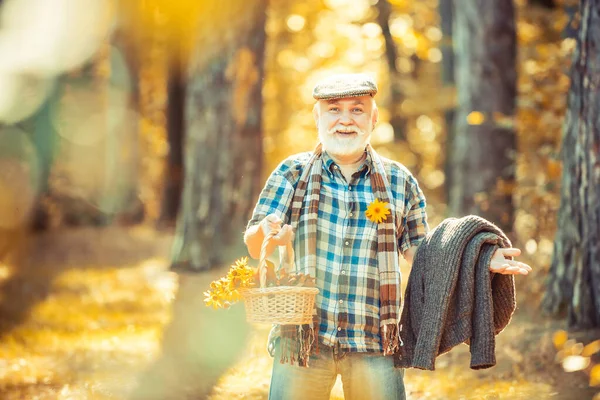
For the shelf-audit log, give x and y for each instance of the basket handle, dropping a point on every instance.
(286, 256)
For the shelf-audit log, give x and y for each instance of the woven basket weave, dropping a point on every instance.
(284, 305)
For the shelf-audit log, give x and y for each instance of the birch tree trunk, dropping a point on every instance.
(484, 143)
(574, 279)
(223, 148)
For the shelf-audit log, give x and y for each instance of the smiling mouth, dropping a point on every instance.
(345, 133)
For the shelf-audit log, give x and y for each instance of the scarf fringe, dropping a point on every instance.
(297, 343)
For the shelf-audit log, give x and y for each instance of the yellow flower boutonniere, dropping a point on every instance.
(377, 211)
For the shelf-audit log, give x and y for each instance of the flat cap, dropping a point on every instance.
(345, 85)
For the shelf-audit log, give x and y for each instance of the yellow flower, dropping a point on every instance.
(234, 277)
(212, 299)
(234, 296)
(377, 211)
(247, 277)
(242, 262)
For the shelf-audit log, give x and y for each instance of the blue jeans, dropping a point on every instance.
(365, 376)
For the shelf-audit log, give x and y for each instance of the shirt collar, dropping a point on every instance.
(328, 163)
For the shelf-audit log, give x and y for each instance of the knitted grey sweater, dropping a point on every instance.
(452, 297)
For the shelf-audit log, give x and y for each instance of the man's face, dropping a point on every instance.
(345, 125)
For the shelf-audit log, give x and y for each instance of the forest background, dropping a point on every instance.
(135, 136)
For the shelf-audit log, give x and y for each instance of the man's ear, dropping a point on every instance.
(316, 113)
(375, 116)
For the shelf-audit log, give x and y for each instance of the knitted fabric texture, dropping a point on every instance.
(305, 209)
(452, 297)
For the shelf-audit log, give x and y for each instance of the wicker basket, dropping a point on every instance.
(284, 305)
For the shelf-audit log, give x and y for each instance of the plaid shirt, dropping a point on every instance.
(347, 242)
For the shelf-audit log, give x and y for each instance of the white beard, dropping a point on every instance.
(338, 145)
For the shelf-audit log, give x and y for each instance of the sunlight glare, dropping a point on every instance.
(575, 363)
(404, 65)
(531, 246)
(295, 22)
(371, 30)
(37, 35)
(400, 26)
(434, 179)
(383, 133)
(21, 95)
(425, 124)
(355, 57)
(322, 49)
(433, 33)
(410, 41)
(434, 55)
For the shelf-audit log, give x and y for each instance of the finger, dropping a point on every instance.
(504, 268)
(496, 267)
(274, 226)
(519, 264)
(284, 234)
(525, 267)
(273, 218)
(510, 252)
(511, 270)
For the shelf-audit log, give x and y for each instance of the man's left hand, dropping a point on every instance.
(501, 265)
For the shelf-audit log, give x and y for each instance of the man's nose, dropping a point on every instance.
(346, 119)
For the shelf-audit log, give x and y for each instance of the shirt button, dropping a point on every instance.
(341, 301)
(339, 329)
(349, 187)
(347, 243)
(343, 272)
(352, 214)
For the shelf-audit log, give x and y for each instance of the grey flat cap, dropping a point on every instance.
(344, 85)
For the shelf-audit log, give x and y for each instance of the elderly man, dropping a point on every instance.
(319, 199)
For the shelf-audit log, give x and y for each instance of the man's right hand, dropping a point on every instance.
(273, 222)
(255, 235)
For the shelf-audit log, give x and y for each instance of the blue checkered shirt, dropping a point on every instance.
(347, 242)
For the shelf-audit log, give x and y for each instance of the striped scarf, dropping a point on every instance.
(299, 341)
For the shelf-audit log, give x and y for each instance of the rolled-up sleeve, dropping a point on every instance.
(276, 196)
(415, 226)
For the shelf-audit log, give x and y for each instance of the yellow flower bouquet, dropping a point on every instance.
(225, 291)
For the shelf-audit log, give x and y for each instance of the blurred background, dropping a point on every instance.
(136, 135)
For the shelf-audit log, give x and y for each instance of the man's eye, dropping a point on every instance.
(334, 109)
(357, 110)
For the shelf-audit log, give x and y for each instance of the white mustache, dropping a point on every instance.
(345, 129)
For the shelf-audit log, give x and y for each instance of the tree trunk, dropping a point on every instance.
(484, 143)
(121, 200)
(173, 185)
(45, 139)
(543, 3)
(574, 280)
(398, 121)
(223, 147)
(446, 11)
